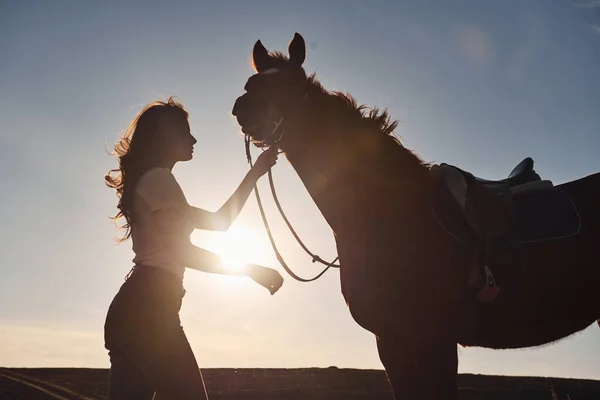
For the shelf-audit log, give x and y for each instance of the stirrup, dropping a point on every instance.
(489, 291)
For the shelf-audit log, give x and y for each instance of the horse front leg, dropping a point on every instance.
(419, 367)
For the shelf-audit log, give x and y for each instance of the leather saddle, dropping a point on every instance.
(482, 212)
(521, 174)
(487, 206)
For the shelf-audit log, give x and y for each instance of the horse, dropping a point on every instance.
(415, 248)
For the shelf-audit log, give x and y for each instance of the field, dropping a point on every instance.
(290, 384)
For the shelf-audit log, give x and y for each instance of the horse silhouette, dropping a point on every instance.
(424, 249)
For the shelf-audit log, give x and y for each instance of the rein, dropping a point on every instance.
(315, 258)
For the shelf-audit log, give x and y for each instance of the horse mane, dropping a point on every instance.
(358, 117)
(370, 120)
(375, 120)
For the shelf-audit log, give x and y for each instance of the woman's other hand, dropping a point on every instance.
(266, 277)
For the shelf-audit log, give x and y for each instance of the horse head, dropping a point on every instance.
(274, 94)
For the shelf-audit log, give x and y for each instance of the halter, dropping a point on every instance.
(315, 258)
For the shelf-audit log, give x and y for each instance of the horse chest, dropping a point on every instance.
(362, 273)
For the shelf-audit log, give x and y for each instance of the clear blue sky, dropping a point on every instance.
(480, 84)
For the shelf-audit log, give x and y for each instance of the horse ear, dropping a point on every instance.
(297, 50)
(260, 57)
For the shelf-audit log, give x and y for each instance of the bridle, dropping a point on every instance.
(315, 257)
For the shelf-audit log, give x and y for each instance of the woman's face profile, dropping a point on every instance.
(176, 141)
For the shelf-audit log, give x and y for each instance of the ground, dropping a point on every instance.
(290, 384)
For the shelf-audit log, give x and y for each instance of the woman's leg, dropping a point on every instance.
(126, 381)
(171, 367)
(143, 327)
(161, 361)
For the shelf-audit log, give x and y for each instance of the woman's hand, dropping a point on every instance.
(264, 162)
(266, 277)
(222, 219)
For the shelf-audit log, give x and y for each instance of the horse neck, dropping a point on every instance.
(350, 184)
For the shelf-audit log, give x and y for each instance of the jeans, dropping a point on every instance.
(149, 352)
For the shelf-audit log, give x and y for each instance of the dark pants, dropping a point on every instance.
(149, 352)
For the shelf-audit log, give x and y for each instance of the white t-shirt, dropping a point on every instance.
(157, 189)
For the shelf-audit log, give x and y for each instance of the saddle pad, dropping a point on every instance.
(543, 215)
(540, 215)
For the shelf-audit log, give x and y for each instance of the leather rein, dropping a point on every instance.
(315, 258)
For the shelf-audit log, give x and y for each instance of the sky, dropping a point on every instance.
(478, 84)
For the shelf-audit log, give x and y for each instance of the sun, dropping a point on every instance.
(237, 247)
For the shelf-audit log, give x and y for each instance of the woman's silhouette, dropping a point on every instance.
(149, 351)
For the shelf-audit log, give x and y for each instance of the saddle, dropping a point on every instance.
(487, 205)
(487, 211)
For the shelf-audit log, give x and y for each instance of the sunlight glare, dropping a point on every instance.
(237, 247)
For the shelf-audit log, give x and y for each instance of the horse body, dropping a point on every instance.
(403, 276)
(549, 291)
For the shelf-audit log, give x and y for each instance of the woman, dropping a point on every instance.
(148, 348)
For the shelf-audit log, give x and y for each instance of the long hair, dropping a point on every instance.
(136, 154)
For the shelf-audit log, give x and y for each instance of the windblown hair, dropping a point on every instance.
(377, 128)
(373, 120)
(136, 154)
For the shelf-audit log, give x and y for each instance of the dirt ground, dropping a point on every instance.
(290, 384)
